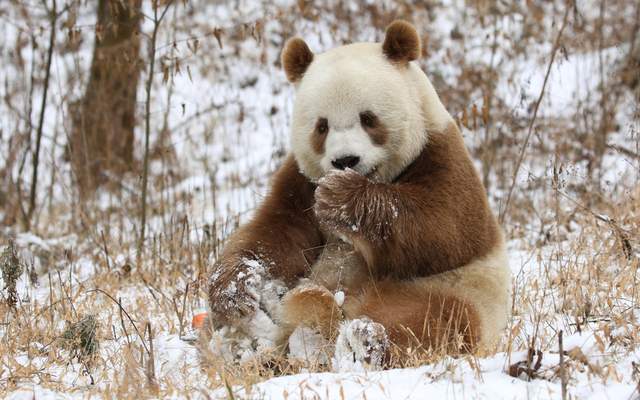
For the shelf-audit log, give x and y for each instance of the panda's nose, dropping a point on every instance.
(346, 162)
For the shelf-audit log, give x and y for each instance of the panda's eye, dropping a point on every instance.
(322, 126)
(368, 119)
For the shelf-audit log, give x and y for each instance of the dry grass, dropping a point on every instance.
(573, 222)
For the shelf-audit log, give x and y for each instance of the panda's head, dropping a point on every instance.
(364, 106)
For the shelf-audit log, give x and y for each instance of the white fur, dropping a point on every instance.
(345, 81)
(352, 141)
(339, 85)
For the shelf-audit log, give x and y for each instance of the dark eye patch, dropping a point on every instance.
(374, 127)
(368, 119)
(322, 126)
(320, 135)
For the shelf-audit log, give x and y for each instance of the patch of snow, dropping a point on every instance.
(361, 345)
(309, 345)
(339, 298)
(259, 332)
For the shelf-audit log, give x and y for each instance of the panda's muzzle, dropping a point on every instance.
(346, 162)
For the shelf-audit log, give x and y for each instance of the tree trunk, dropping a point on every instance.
(104, 120)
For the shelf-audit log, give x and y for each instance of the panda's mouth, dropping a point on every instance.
(370, 173)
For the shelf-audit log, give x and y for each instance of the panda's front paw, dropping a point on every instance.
(338, 199)
(361, 344)
(234, 290)
(352, 205)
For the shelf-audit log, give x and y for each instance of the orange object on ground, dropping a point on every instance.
(198, 320)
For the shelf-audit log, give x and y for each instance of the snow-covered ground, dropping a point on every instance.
(229, 118)
(596, 370)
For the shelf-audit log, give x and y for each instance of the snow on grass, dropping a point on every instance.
(229, 122)
(597, 370)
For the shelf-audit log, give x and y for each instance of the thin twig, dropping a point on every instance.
(180, 314)
(145, 169)
(124, 327)
(144, 344)
(556, 46)
(563, 375)
(36, 154)
(151, 367)
(106, 250)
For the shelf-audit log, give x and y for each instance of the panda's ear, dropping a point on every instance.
(296, 58)
(401, 42)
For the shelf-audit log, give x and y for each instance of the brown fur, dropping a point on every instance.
(413, 315)
(401, 42)
(296, 58)
(319, 136)
(415, 226)
(434, 218)
(313, 306)
(283, 234)
(374, 127)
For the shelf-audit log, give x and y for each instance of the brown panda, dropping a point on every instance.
(376, 228)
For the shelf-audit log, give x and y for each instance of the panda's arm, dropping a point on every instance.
(409, 229)
(279, 242)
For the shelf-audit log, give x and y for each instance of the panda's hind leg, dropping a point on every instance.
(313, 306)
(418, 316)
